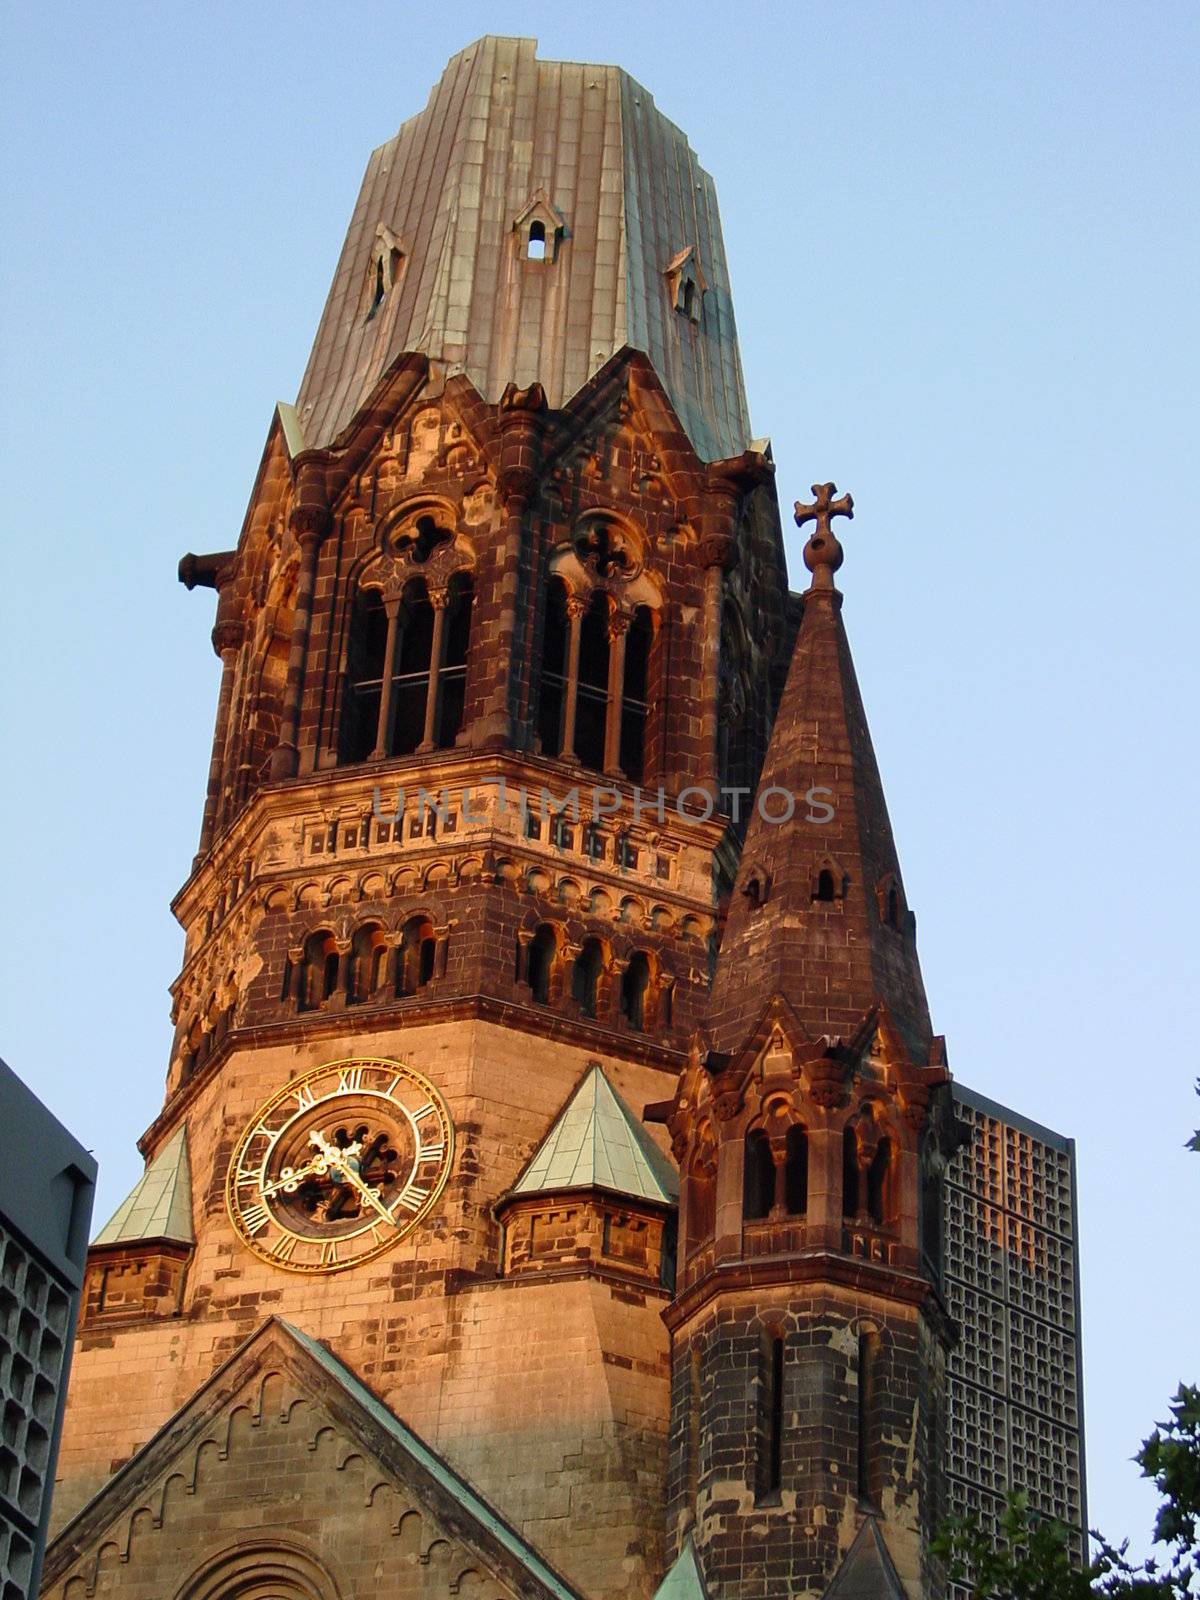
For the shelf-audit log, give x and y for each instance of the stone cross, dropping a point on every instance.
(823, 553)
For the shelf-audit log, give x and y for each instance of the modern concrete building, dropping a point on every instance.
(47, 1180)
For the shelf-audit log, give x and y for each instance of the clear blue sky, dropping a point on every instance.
(963, 242)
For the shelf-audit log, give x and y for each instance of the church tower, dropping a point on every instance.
(811, 1127)
(488, 955)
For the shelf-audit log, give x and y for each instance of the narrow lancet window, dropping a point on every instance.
(758, 1176)
(540, 964)
(635, 984)
(868, 1352)
(770, 1421)
(585, 978)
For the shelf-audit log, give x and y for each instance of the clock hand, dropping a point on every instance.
(291, 1178)
(367, 1193)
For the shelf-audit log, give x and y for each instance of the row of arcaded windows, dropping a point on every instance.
(643, 999)
(775, 1181)
(374, 968)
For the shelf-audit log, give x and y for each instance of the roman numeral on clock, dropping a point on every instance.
(284, 1247)
(255, 1217)
(349, 1080)
(413, 1198)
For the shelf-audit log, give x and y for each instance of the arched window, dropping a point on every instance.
(319, 973)
(364, 677)
(826, 887)
(878, 1186)
(635, 985)
(893, 907)
(634, 699)
(795, 1172)
(849, 1173)
(414, 962)
(452, 678)
(688, 297)
(368, 963)
(535, 244)
(591, 699)
(539, 966)
(585, 976)
(758, 1176)
(551, 697)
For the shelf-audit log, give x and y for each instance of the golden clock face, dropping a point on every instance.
(340, 1165)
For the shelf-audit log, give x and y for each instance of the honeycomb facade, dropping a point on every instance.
(1015, 1380)
(46, 1185)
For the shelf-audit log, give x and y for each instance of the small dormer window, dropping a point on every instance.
(686, 284)
(387, 263)
(538, 229)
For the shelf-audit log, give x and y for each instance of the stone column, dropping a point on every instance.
(618, 625)
(576, 607)
(521, 418)
(383, 732)
(438, 599)
(309, 522)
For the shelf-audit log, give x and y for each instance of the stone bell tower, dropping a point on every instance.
(506, 620)
(808, 1338)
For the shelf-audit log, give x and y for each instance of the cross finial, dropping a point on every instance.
(823, 553)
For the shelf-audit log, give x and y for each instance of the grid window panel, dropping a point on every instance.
(34, 1329)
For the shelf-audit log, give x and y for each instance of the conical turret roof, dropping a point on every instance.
(598, 1143)
(818, 913)
(160, 1204)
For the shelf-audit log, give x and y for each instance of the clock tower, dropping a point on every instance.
(406, 1301)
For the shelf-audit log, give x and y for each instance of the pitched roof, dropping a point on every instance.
(501, 130)
(833, 960)
(356, 1413)
(867, 1571)
(597, 1142)
(160, 1204)
(684, 1580)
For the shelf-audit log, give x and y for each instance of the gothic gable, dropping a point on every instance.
(331, 1492)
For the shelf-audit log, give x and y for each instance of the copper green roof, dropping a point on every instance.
(684, 1581)
(584, 151)
(160, 1205)
(598, 1143)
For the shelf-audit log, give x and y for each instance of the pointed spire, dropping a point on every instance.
(817, 913)
(160, 1203)
(597, 1142)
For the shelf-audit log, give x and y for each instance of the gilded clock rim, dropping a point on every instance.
(288, 1091)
